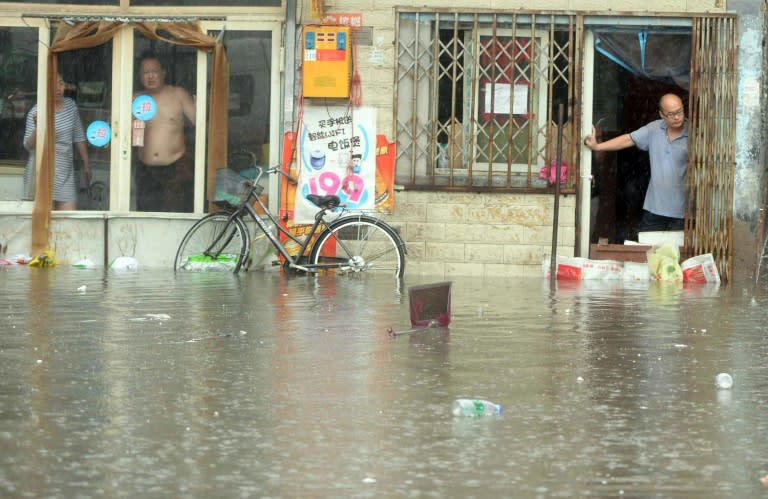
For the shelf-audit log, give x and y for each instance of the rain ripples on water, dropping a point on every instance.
(152, 384)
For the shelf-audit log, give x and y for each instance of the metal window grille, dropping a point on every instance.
(477, 98)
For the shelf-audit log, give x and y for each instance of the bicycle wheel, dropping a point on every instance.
(213, 243)
(260, 249)
(359, 244)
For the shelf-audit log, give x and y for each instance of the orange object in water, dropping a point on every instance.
(385, 168)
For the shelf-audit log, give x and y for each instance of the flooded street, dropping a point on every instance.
(149, 384)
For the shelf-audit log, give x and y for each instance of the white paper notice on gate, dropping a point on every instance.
(337, 155)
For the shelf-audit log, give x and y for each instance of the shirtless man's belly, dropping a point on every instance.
(164, 134)
(165, 169)
(163, 145)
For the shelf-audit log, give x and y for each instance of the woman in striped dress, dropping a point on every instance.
(69, 131)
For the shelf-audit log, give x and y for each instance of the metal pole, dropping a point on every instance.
(760, 242)
(106, 241)
(558, 162)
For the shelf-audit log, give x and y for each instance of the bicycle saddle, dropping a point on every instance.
(327, 202)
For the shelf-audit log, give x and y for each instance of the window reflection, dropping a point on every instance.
(178, 3)
(250, 59)
(18, 93)
(164, 121)
(78, 2)
(88, 73)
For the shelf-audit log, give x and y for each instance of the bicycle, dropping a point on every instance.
(348, 241)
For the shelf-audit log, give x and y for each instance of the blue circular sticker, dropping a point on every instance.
(144, 108)
(98, 133)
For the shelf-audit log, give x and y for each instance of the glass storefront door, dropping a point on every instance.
(163, 122)
(142, 106)
(18, 94)
(88, 77)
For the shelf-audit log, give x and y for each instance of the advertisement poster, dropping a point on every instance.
(336, 154)
(385, 168)
(385, 174)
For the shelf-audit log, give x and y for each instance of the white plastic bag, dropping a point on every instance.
(636, 271)
(569, 268)
(664, 263)
(604, 270)
(127, 263)
(700, 269)
(574, 268)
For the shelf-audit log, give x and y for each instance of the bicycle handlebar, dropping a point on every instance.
(278, 170)
(274, 169)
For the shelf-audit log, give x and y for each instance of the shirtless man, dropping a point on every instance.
(165, 166)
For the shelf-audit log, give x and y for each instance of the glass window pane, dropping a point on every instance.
(221, 3)
(88, 77)
(18, 93)
(163, 126)
(250, 59)
(77, 2)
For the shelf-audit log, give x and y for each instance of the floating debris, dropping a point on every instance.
(84, 264)
(151, 317)
(159, 317)
(213, 337)
(392, 333)
(724, 381)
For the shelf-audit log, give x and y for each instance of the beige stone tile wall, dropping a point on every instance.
(481, 234)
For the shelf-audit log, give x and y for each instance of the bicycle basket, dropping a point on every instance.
(230, 187)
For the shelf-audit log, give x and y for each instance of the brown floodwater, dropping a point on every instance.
(151, 384)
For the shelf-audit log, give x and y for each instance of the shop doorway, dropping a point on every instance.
(633, 68)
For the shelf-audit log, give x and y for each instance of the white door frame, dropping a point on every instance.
(585, 186)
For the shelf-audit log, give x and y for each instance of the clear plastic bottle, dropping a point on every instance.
(475, 407)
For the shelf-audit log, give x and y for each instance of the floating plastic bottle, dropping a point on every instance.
(475, 407)
(724, 381)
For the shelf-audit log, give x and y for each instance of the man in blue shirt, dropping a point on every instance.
(666, 141)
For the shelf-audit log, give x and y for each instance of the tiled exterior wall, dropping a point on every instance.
(151, 239)
(481, 234)
(446, 234)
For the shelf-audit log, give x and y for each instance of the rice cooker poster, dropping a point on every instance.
(337, 155)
